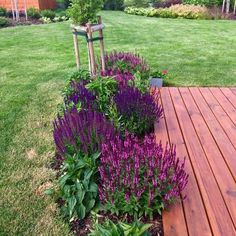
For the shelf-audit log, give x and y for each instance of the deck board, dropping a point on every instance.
(191, 122)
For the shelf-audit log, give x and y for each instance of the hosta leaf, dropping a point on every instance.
(90, 205)
(63, 179)
(71, 205)
(93, 187)
(80, 195)
(81, 211)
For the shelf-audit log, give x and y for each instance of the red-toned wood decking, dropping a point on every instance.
(202, 123)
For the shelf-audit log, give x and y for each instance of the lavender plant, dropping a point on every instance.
(81, 131)
(138, 111)
(80, 97)
(78, 136)
(139, 178)
(126, 67)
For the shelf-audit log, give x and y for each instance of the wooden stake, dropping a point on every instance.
(101, 43)
(91, 50)
(234, 7)
(76, 46)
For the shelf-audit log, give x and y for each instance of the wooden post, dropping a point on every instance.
(91, 50)
(101, 43)
(234, 7)
(13, 11)
(76, 46)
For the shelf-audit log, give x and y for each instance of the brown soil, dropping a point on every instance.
(82, 227)
(23, 21)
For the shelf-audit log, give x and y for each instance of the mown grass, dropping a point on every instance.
(33, 63)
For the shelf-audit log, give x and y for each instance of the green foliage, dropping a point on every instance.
(4, 22)
(48, 14)
(77, 184)
(136, 3)
(33, 13)
(175, 11)
(109, 228)
(77, 76)
(104, 88)
(208, 3)
(141, 81)
(114, 5)
(84, 11)
(3, 11)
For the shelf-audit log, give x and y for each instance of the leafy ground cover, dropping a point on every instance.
(33, 63)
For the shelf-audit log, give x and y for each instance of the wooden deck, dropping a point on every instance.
(202, 123)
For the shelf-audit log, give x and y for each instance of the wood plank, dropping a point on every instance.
(230, 95)
(221, 172)
(222, 117)
(225, 104)
(219, 218)
(217, 131)
(196, 217)
(173, 219)
(233, 90)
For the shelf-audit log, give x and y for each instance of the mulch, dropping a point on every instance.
(83, 227)
(23, 21)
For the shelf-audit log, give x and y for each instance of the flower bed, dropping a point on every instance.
(110, 167)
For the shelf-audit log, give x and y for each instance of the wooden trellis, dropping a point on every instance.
(87, 31)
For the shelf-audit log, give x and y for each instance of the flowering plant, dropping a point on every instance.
(124, 66)
(81, 131)
(160, 74)
(80, 97)
(139, 178)
(138, 111)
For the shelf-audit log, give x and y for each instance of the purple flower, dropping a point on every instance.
(138, 111)
(82, 131)
(161, 174)
(124, 65)
(80, 94)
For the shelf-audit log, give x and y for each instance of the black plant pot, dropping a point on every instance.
(156, 82)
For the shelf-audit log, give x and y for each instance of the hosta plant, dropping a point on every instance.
(138, 111)
(77, 184)
(139, 178)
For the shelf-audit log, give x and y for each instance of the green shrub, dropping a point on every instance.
(84, 11)
(114, 5)
(4, 22)
(77, 184)
(104, 88)
(175, 11)
(3, 11)
(48, 14)
(33, 13)
(208, 3)
(136, 3)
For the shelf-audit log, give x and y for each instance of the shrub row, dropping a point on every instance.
(106, 152)
(175, 11)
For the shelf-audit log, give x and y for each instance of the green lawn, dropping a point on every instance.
(33, 63)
